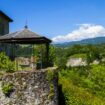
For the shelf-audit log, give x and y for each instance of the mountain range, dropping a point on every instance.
(97, 40)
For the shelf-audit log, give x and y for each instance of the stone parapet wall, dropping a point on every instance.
(30, 88)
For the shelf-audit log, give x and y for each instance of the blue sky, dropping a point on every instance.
(54, 18)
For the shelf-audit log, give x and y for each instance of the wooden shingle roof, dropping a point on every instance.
(24, 37)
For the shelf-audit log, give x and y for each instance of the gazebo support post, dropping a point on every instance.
(14, 55)
(32, 59)
(47, 54)
(12, 51)
(33, 55)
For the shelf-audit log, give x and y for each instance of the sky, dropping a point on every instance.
(60, 20)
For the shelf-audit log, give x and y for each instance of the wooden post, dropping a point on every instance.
(32, 58)
(47, 54)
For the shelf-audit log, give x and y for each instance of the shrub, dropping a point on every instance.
(50, 75)
(81, 90)
(7, 89)
(6, 64)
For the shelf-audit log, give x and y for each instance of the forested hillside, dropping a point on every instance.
(82, 85)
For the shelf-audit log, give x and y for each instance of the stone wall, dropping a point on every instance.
(30, 88)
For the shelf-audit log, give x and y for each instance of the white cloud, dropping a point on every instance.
(83, 32)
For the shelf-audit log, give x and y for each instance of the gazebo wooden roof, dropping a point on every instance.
(24, 37)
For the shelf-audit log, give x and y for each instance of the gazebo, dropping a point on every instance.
(26, 36)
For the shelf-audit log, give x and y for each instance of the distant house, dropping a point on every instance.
(4, 29)
(4, 23)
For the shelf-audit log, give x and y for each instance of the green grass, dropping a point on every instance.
(79, 56)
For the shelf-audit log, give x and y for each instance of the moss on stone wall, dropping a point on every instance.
(50, 77)
(7, 89)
